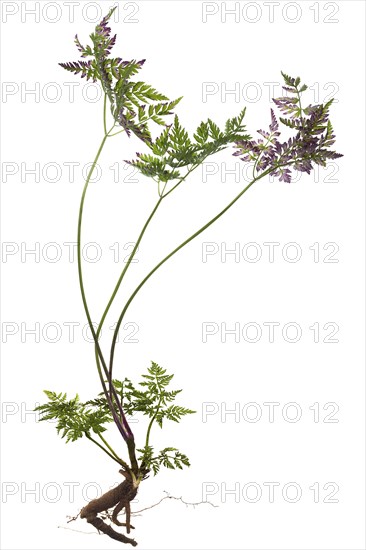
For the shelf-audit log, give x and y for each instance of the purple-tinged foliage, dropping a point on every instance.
(132, 104)
(288, 106)
(85, 51)
(274, 124)
(274, 133)
(103, 42)
(102, 29)
(84, 68)
(310, 145)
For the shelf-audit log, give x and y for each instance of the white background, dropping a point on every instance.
(226, 451)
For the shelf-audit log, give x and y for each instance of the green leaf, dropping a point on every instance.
(214, 130)
(175, 412)
(201, 135)
(145, 92)
(74, 419)
(176, 149)
(169, 457)
(179, 138)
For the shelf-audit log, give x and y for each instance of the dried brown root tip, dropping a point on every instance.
(123, 504)
(99, 524)
(116, 511)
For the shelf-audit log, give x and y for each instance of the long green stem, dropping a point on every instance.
(80, 220)
(121, 423)
(82, 289)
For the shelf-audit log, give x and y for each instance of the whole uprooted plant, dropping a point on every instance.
(168, 160)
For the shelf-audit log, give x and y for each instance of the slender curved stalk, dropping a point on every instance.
(151, 423)
(81, 209)
(105, 115)
(105, 450)
(108, 446)
(182, 179)
(130, 258)
(119, 284)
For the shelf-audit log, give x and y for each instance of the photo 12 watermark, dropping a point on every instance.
(270, 252)
(53, 252)
(272, 492)
(68, 12)
(270, 332)
(66, 172)
(269, 412)
(53, 332)
(253, 92)
(270, 12)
